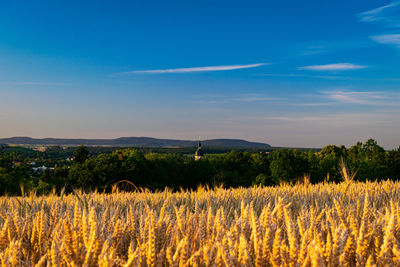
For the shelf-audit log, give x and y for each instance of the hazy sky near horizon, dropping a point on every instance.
(288, 73)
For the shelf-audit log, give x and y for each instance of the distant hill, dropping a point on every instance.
(132, 142)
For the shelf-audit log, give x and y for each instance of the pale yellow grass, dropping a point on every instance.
(356, 224)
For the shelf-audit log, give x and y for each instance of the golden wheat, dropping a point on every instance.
(348, 224)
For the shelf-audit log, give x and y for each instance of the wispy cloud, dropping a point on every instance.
(310, 50)
(353, 97)
(297, 118)
(197, 69)
(390, 39)
(256, 98)
(240, 98)
(320, 104)
(280, 74)
(326, 77)
(333, 67)
(298, 75)
(384, 14)
(388, 16)
(376, 14)
(328, 47)
(332, 120)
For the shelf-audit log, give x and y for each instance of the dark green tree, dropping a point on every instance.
(368, 161)
(81, 154)
(329, 159)
(11, 176)
(288, 165)
(393, 163)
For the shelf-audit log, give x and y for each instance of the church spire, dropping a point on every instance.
(199, 152)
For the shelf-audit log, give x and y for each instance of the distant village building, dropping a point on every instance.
(40, 149)
(42, 169)
(199, 152)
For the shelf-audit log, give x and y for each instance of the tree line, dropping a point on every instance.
(155, 171)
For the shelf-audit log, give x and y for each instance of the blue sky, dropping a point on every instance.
(288, 73)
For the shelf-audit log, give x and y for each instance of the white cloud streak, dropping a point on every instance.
(331, 122)
(280, 75)
(381, 98)
(353, 97)
(197, 69)
(333, 67)
(290, 75)
(390, 39)
(229, 99)
(257, 99)
(376, 13)
(344, 96)
(387, 16)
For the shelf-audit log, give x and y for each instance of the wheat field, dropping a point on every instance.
(347, 224)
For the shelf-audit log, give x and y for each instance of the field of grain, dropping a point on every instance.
(348, 224)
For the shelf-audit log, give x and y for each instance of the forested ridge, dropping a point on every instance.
(155, 171)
